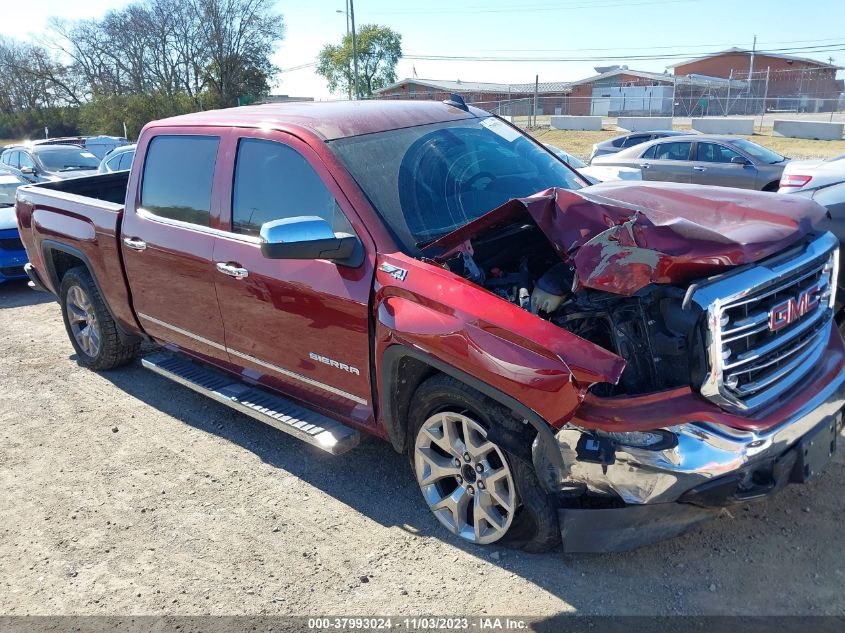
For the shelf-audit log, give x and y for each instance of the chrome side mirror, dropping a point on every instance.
(309, 237)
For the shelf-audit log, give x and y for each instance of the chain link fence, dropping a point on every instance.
(814, 94)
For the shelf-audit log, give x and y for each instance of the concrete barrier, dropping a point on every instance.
(723, 126)
(818, 130)
(559, 122)
(644, 123)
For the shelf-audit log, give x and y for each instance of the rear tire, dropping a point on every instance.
(90, 326)
(477, 477)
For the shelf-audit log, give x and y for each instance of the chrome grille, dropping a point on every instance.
(767, 325)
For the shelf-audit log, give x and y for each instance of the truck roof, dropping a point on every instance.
(329, 119)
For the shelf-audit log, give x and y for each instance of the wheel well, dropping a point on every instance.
(772, 186)
(61, 262)
(407, 375)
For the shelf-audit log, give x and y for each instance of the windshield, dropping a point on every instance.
(9, 183)
(67, 159)
(566, 157)
(429, 180)
(759, 152)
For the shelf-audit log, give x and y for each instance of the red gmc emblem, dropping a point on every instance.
(793, 309)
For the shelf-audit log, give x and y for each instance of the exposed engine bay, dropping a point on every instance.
(650, 330)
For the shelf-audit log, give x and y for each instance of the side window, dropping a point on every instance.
(673, 151)
(126, 160)
(113, 163)
(636, 140)
(11, 159)
(650, 152)
(714, 153)
(178, 174)
(274, 181)
(24, 160)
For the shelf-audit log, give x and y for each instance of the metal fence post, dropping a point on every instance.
(536, 90)
(765, 96)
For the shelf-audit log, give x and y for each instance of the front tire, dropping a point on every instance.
(472, 461)
(90, 326)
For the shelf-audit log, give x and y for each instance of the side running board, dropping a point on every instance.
(313, 428)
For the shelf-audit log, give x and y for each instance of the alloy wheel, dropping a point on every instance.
(464, 478)
(83, 321)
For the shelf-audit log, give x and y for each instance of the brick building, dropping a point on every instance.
(794, 83)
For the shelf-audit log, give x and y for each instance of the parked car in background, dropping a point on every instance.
(812, 174)
(598, 173)
(613, 145)
(44, 162)
(704, 159)
(831, 195)
(12, 253)
(119, 159)
(97, 145)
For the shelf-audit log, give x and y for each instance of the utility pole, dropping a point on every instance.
(354, 49)
(728, 98)
(765, 96)
(750, 73)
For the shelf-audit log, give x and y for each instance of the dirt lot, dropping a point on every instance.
(125, 494)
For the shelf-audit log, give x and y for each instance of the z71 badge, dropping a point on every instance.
(394, 271)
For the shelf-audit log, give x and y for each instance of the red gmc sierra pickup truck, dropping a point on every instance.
(606, 366)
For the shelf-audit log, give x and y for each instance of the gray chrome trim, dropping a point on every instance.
(299, 377)
(238, 237)
(179, 330)
(257, 361)
(704, 451)
(751, 284)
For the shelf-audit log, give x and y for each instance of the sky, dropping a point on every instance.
(604, 29)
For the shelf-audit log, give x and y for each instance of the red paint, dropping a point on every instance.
(285, 311)
(623, 236)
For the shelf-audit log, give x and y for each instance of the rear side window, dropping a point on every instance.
(11, 159)
(178, 174)
(673, 151)
(636, 140)
(274, 181)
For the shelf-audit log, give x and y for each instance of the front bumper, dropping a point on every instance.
(661, 493)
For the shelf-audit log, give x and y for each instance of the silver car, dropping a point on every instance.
(618, 143)
(704, 159)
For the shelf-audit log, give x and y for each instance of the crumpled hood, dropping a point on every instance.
(621, 236)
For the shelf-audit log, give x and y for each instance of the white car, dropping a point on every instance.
(595, 173)
(800, 175)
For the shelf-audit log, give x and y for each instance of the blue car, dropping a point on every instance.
(12, 253)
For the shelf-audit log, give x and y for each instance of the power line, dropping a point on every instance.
(599, 4)
(642, 48)
(632, 57)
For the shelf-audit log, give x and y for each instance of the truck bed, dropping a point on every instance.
(74, 222)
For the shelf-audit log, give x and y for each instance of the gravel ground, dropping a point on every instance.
(125, 494)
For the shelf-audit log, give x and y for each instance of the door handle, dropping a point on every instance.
(645, 165)
(233, 270)
(136, 244)
(697, 168)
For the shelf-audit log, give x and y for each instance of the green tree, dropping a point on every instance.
(379, 50)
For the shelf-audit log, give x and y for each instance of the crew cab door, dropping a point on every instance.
(297, 325)
(167, 243)
(668, 161)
